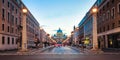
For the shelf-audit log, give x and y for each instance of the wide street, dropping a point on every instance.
(61, 50)
(59, 29)
(60, 53)
(61, 57)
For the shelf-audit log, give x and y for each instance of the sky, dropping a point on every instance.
(55, 14)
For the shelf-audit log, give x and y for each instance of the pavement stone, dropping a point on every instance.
(30, 51)
(93, 52)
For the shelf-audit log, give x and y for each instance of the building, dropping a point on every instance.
(10, 18)
(76, 35)
(43, 35)
(59, 36)
(32, 29)
(87, 30)
(11, 25)
(109, 24)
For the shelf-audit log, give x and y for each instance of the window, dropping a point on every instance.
(8, 40)
(108, 15)
(8, 29)
(107, 4)
(104, 17)
(20, 22)
(3, 1)
(12, 30)
(113, 25)
(8, 4)
(12, 7)
(16, 41)
(119, 8)
(103, 29)
(113, 13)
(3, 40)
(119, 23)
(100, 30)
(112, 1)
(16, 21)
(3, 14)
(103, 8)
(12, 20)
(8, 17)
(2, 27)
(16, 31)
(108, 27)
(12, 40)
(16, 11)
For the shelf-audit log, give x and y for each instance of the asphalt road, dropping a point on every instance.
(61, 57)
(62, 50)
(62, 53)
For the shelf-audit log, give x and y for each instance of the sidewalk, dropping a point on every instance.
(93, 52)
(34, 51)
(101, 51)
(30, 51)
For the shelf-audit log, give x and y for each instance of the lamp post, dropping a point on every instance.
(41, 37)
(71, 42)
(24, 30)
(95, 41)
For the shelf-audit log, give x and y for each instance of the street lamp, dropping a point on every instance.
(95, 41)
(94, 10)
(24, 30)
(24, 10)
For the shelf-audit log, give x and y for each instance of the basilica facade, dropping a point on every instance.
(59, 36)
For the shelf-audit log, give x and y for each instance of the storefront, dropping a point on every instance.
(114, 40)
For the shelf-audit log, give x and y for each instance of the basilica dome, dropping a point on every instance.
(59, 35)
(59, 31)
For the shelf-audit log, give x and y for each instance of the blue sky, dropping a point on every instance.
(52, 14)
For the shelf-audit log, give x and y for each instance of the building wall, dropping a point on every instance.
(75, 36)
(108, 31)
(86, 26)
(43, 35)
(32, 29)
(99, 1)
(88, 29)
(81, 33)
(12, 20)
